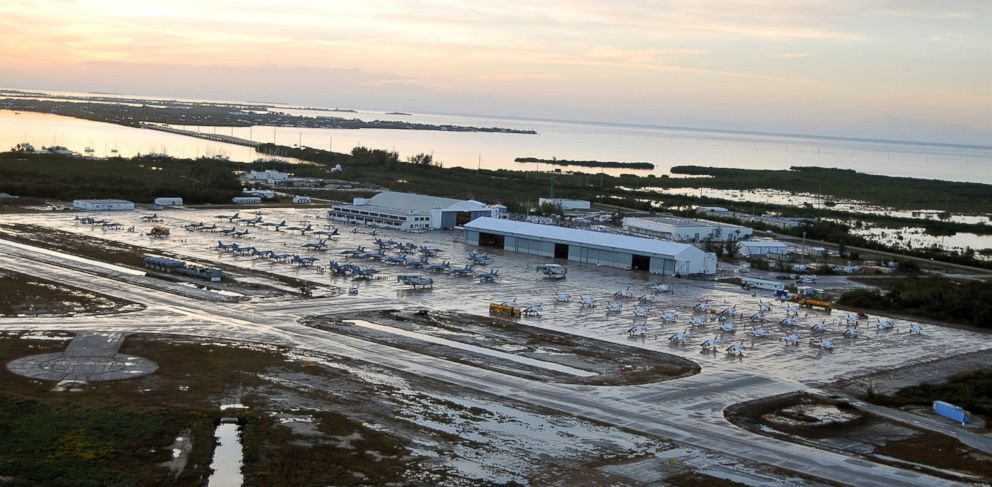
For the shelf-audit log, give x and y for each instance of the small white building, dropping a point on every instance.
(168, 201)
(566, 204)
(301, 200)
(409, 211)
(246, 200)
(103, 205)
(268, 176)
(685, 229)
(763, 248)
(267, 194)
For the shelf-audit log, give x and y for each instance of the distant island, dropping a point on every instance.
(604, 164)
(139, 113)
(397, 113)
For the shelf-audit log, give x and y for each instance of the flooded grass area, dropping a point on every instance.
(24, 295)
(835, 424)
(513, 348)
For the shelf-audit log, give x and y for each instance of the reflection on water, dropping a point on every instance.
(226, 466)
(917, 238)
(107, 139)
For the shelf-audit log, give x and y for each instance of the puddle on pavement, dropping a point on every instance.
(227, 462)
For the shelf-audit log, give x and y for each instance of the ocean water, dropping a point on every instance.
(662, 146)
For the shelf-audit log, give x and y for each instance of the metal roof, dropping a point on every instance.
(612, 241)
(762, 243)
(409, 201)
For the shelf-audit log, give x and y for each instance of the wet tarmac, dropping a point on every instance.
(692, 406)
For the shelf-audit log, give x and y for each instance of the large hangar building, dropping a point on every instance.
(410, 211)
(636, 253)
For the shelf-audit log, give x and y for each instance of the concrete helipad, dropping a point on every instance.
(89, 357)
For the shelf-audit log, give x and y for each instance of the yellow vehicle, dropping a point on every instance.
(504, 310)
(813, 298)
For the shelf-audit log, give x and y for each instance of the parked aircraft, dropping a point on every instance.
(758, 332)
(462, 272)
(440, 268)
(764, 306)
(680, 337)
(533, 310)
(884, 324)
(562, 297)
(647, 297)
(587, 302)
(326, 233)
(697, 321)
(303, 230)
(662, 288)
(552, 271)
(275, 226)
(701, 307)
(915, 329)
(429, 252)
(792, 339)
(409, 280)
(321, 245)
(489, 276)
(711, 344)
(790, 322)
(851, 332)
(613, 307)
(640, 329)
(824, 344)
(641, 311)
(480, 258)
(395, 260)
(624, 293)
(250, 221)
(737, 349)
(819, 327)
(229, 218)
(224, 246)
(728, 327)
(356, 252)
(669, 316)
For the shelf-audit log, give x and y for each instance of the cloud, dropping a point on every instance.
(946, 36)
(789, 55)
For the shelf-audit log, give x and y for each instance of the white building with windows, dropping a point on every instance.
(168, 201)
(409, 211)
(268, 176)
(103, 205)
(301, 200)
(763, 248)
(247, 200)
(686, 229)
(600, 248)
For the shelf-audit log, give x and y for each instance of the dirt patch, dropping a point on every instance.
(834, 424)
(607, 363)
(24, 295)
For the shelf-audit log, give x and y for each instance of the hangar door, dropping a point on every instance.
(491, 240)
(640, 262)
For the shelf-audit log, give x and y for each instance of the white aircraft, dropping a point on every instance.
(728, 327)
(640, 311)
(764, 306)
(915, 329)
(790, 322)
(711, 344)
(851, 332)
(697, 321)
(737, 348)
(792, 309)
(613, 307)
(509, 302)
(759, 332)
(680, 337)
(819, 327)
(639, 329)
(563, 297)
(824, 344)
(587, 302)
(646, 297)
(662, 288)
(757, 317)
(884, 324)
(533, 310)
(701, 307)
(669, 316)
(728, 311)
(792, 339)
(852, 319)
(624, 293)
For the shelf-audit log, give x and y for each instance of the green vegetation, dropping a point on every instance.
(603, 164)
(139, 179)
(23, 294)
(897, 192)
(939, 298)
(970, 390)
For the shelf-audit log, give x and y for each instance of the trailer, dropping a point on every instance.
(950, 411)
(767, 284)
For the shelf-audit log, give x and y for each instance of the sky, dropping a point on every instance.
(911, 69)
